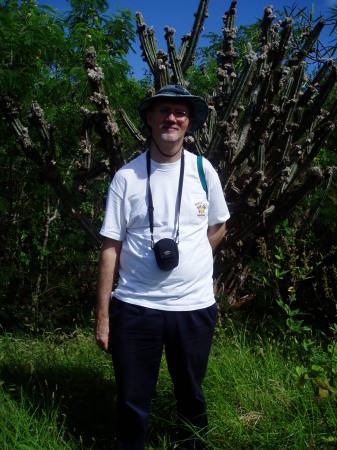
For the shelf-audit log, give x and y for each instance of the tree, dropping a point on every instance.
(43, 61)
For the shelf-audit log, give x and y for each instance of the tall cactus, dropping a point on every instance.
(266, 125)
(263, 133)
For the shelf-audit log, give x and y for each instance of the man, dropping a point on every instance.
(160, 228)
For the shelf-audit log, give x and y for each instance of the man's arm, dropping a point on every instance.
(107, 270)
(215, 234)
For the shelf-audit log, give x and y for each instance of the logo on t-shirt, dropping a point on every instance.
(201, 208)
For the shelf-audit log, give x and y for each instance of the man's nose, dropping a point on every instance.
(171, 116)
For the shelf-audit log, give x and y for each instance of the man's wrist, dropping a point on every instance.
(102, 316)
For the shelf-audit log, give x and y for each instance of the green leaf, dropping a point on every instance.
(323, 393)
(333, 389)
(300, 370)
(329, 439)
(317, 369)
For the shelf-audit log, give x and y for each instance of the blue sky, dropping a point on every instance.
(179, 15)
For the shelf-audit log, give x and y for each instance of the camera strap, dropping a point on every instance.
(180, 190)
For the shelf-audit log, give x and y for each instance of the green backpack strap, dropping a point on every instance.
(202, 175)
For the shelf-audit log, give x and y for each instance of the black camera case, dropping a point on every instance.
(167, 254)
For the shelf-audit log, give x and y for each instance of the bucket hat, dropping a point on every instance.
(197, 105)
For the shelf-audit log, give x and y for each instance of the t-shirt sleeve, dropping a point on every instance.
(114, 224)
(217, 209)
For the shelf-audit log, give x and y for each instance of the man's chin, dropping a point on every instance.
(167, 137)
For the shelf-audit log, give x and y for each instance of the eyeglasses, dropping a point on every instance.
(178, 113)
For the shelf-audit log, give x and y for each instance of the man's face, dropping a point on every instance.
(169, 120)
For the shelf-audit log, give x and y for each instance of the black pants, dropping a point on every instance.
(137, 338)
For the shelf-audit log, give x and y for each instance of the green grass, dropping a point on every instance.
(254, 402)
(58, 392)
(24, 427)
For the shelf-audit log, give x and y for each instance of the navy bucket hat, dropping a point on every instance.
(197, 105)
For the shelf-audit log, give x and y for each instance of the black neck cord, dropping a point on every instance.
(180, 190)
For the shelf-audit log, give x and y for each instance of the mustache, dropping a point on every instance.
(165, 127)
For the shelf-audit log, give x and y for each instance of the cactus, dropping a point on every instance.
(263, 133)
(265, 127)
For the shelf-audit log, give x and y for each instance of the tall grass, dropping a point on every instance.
(254, 402)
(23, 426)
(58, 392)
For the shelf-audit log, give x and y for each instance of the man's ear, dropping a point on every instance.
(148, 118)
(190, 121)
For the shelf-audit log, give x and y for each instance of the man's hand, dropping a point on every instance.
(102, 333)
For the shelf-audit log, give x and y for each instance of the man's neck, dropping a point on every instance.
(166, 152)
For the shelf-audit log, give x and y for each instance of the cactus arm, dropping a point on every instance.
(260, 92)
(226, 73)
(291, 99)
(305, 157)
(162, 76)
(321, 136)
(198, 147)
(283, 46)
(131, 127)
(211, 123)
(280, 143)
(267, 33)
(214, 151)
(289, 107)
(147, 42)
(323, 93)
(290, 199)
(312, 90)
(189, 44)
(308, 45)
(289, 178)
(183, 46)
(216, 147)
(241, 86)
(261, 158)
(250, 109)
(177, 76)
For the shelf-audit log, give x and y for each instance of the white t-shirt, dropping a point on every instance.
(189, 286)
